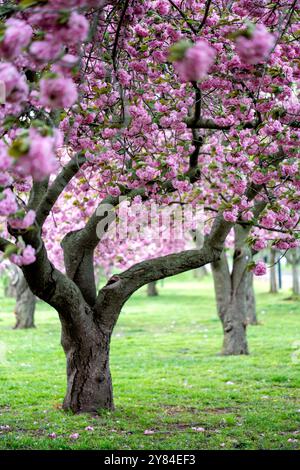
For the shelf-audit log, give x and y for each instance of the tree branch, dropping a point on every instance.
(57, 187)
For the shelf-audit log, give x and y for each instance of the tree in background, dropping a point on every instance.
(293, 257)
(176, 102)
(273, 274)
(25, 303)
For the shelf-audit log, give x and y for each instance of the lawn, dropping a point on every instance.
(168, 378)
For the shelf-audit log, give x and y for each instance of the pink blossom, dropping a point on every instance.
(74, 436)
(196, 62)
(26, 257)
(24, 223)
(260, 245)
(76, 30)
(43, 51)
(255, 49)
(53, 435)
(269, 220)
(89, 428)
(259, 269)
(8, 204)
(5, 159)
(16, 88)
(17, 36)
(58, 92)
(230, 216)
(40, 160)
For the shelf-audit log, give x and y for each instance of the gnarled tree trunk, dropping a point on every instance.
(89, 385)
(25, 303)
(152, 289)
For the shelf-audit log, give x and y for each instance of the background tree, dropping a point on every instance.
(293, 257)
(25, 303)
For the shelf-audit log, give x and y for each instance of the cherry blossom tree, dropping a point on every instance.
(186, 102)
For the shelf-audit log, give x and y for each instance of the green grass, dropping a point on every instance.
(167, 374)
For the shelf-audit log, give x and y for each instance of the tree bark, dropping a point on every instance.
(234, 295)
(152, 289)
(251, 302)
(89, 385)
(273, 278)
(296, 283)
(293, 257)
(25, 303)
(200, 273)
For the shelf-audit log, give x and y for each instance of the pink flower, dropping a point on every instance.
(259, 269)
(74, 436)
(5, 159)
(43, 51)
(162, 6)
(230, 216)
(58, 92)
(24, 223)
(260, 245)
(53, 435)
(16, 88)
(8, 205)
(89, 428)
(196, 62)
(255, 50)
(40, 160)
(26, 257)
(17, 36)
(76, 30)
(269, 220)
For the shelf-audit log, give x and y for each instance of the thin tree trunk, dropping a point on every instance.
(293, 258)
(200, 273)
(25, 304)
(10, 290)
(152, 289)
(273, 278)
(251, 302)
(296, 274)
(234, 296)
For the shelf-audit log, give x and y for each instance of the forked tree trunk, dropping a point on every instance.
(152, 289)
(273, 278)
(234, 296)
(25, 304)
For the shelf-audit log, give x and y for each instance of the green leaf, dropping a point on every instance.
(19, 147)
(31, 3)
(10, 250)
(178, 50)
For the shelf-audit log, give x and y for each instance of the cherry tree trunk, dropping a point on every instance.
(293, 257)
(251, 302)
(152, 289)
(87, 347)
(25, 304)
(296, 279)
(273, 279)
(200, 273)
(10, 290)
(235, 296)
